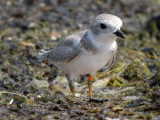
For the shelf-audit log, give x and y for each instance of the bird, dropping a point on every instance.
(86, 52)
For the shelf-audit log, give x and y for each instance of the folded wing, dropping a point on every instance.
(65, 51)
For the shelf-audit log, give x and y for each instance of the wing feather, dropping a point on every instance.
(62, 54)
(66, 50)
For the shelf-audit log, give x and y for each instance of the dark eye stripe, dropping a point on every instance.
(103, 26)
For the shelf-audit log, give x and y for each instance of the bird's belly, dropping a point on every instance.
(86, 63)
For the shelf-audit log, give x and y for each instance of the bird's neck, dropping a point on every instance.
(88, 44)
(95, 44)
(101, 41)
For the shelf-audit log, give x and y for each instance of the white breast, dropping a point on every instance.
(87, 62)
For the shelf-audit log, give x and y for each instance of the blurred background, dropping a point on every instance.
(28, 89)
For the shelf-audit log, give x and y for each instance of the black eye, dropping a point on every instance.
(103, 26)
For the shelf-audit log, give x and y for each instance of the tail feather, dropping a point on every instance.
(43, 55)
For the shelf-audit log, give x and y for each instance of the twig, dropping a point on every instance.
(4, 92)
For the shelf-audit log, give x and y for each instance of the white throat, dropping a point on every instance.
(102, 41)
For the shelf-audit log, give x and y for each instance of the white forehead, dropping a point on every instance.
(109, 19)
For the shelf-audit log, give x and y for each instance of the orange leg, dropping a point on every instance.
(90, 78)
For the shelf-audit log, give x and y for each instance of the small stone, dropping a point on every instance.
(40, 83)
(54, 35)
(100, 84)
(116, 109)
(77, 95)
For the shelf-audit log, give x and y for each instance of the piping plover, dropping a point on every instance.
(87, 51)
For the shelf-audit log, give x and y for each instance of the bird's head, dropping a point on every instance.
(107, 27)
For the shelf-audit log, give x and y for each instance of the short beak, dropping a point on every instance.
(119, 34)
